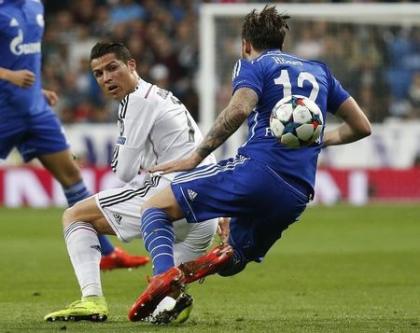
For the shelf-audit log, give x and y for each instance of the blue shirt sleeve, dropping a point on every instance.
(247, 74)
(336, 93)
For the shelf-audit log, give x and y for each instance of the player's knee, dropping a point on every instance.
(235, 265)
(67, 217)
(70, 215)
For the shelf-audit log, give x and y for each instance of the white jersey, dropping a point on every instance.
(155, 127)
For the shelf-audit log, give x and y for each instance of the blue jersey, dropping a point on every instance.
(26, 120)
(272, 76)
(21, 31)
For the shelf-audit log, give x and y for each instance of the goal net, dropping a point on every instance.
(373, 49)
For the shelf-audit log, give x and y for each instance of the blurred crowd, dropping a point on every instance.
(379, 65)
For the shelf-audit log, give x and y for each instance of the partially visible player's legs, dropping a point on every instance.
(192, 241)
(229, 188)
(81, 224)
(65, 170)
(157, 231)
(67, 173)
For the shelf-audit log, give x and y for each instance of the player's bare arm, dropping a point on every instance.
(229, 120)
(21, 78)
(240, 106)
(355, 127)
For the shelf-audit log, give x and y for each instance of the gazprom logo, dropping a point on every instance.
(17, 46)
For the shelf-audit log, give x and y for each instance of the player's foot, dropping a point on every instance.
(173, 311)
(207, 264)
(121, 259)
(93, 308)
(171, 281)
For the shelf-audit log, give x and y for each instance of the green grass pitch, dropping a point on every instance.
(341, 269)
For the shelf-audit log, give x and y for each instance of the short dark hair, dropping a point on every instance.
(119, 49)
(265, 30)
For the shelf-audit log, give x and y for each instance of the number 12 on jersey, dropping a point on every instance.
(284, 80)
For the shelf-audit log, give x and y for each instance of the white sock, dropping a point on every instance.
(85, 254)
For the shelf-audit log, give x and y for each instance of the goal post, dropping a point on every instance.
(219, 21)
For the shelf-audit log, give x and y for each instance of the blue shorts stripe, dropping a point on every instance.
(209, 171)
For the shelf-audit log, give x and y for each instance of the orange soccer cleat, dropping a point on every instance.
(121, 259)
(160, 286)
(207, 264)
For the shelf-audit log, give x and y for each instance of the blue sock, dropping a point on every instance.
(158, 236)
(77, 192)
(106, 246)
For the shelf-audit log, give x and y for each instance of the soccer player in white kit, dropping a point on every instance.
(154, 127)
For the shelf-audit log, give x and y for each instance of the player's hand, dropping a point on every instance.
(51, 96)
(178, 165)
(223, 229)
(21, 78)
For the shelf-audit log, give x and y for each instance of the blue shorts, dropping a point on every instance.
(259, 201)
(33, 135)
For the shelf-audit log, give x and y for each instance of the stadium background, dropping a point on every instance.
(378, 63)
(343, 268)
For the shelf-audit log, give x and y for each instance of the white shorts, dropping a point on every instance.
(122, 209)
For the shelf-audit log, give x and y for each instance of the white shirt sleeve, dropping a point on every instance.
(135, 126)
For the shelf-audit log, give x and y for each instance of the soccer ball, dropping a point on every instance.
(296, 121)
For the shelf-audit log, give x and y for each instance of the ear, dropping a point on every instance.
(247, 47)
(131, 63)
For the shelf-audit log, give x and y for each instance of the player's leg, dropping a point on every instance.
(191, 241)
(158, 236)
(45, 140)
(81, 224)
(251, 237)
(63, 167)
(198, 201)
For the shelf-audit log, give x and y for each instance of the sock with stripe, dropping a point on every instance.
(158, 236)
(77, 192)
(85, 253)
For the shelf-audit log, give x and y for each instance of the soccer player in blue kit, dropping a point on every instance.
(267, 186)
(27, 121)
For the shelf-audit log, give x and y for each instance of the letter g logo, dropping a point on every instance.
(15, 45)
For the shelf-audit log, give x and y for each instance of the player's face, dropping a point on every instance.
(115, 78)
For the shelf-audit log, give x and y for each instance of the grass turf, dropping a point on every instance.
(341, 269)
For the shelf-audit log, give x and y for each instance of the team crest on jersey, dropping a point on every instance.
(192, 194)
(40, 20)
(17, 46)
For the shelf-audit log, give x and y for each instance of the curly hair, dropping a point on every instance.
(265, 30)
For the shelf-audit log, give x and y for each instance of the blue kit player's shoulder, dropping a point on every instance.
(246, 74)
